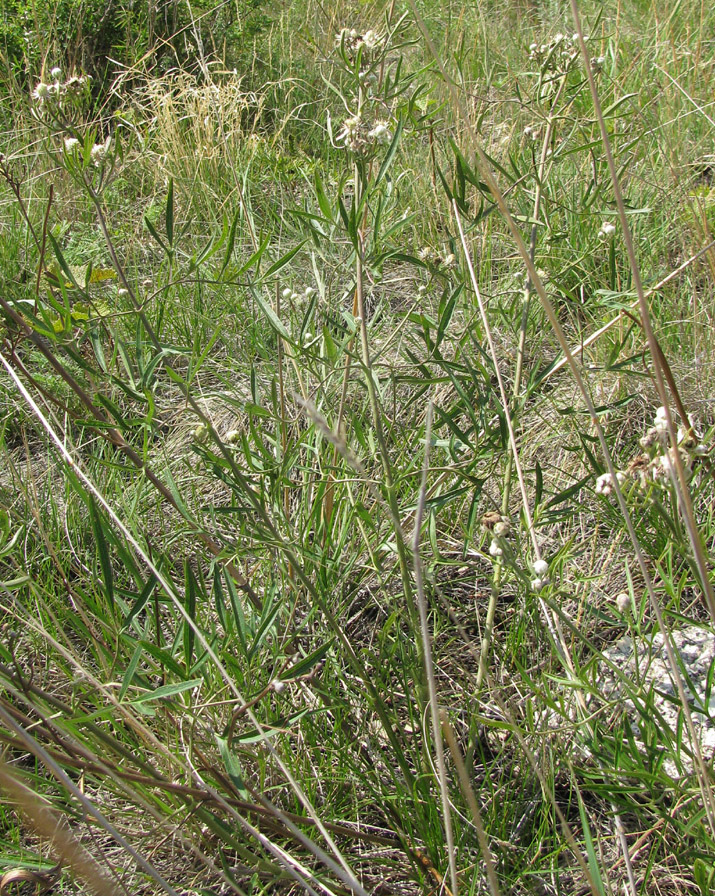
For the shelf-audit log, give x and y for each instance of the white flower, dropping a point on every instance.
(278, 685)
(371, 39)
(350, 132)
(604, 483)
(55, 73)
(309, 292)
(201, 432)
(607, 230)
(501, 528)
(649, 439)
(41, 92)
(287, 292)
(537, 584)
(100, 150)
(449, 261)
(232, 436)
(495, 549)
(422, 289)
(122, 292)
(380, 133)
(541, 567)
(71, 143)
(660, 422)
(623, 602)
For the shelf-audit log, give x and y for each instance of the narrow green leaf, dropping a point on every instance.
(66, 269)
(104, 558)
(269, 617)
(141, 601)
(168, 690)
(191, 588)
(273, 318)
(390, 154)
(302, 667)
(255, 258)
(254, 736)
(446, 314)
(169, 215)
(231, 241)
(611, 110)
(595, 875)
(283, 261)
(131, 669)
(154, 232)
(232, 766)
(238, 616)
(539, 486)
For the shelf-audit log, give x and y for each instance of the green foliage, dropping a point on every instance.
(310, 552)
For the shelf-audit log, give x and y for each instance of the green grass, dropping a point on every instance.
(286, 607)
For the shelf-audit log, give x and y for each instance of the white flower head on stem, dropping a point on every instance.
(41, 92)
(371, 40)
(605, 485)
(100, 150)
(380, 133)
(607, 231)
(660, 422)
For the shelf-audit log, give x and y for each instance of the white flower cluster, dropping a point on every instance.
(100, 151)
(352, 41)
(429, 256)
(556, 56)
(380, 133)
(298, 298)
(605, 484)
(56, 90)
(359, 137)
(607, 231)
(541, 570)
(500, 527)
(656, 464)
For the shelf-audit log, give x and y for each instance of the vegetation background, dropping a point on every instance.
(356, 426)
